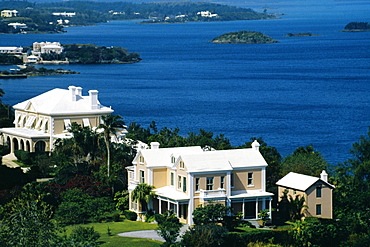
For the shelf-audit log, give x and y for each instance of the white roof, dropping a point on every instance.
(161, 157)
(197, 160)
(171, 193)
(298, 181)
(25, 132)
(59, 102)
(224, 160)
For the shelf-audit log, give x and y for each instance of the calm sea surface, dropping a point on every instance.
(301, 91)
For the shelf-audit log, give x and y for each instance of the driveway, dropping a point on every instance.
(149, 234)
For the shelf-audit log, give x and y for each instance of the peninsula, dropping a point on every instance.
(244, 37)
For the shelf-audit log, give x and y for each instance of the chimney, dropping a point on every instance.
(78, 92)
(255, 145)
(94, 99)
(72, 90)
(324, 176)
(154, 145)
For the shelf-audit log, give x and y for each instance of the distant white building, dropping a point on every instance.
(11, 50)
(17, 25)
(65, 14)
(206, 14)
(9, 13)
(47, 47)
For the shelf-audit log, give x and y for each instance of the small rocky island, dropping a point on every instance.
(300, 34)
(244, 37)
(357, 27)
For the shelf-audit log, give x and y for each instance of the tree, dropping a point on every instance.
(352, 192)
(210, 214)
(168, 226)
(110, 126)
(304, 160)
(142, 193)
(296, 206)
(26, 220)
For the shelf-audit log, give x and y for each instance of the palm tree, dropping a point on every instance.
(142, 193)
(110, 125)
(297, 205)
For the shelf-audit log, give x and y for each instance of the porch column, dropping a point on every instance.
(243, 209)
(160, 205)
(177, 210)
(190, 207)
(256, 216)
(228, 189)
(168, 205)
(270, 209)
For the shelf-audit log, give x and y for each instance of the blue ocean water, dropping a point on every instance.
(301, 91)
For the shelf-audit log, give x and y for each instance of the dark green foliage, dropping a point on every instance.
(304, 160)
(9, 59)
(130, 215)
(239, 239)
(93, 54)
(168, 137)
(168, 226)
(205, 236)
(26, 220)
(243, 37)
(10, 177)
(76, 207)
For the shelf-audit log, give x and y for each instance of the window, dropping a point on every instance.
(318, 192)
(197, 180)
(222, 182)
(232, 180)
(318, 209)
(173, 159)
(250, 178)
(131, 175)
(142, 176)
(172, 179)
(179, 182)
(182, 165)
(184, 184)
(141, 159)
(209, 183)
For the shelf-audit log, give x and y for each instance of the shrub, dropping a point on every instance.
(84, 236)
(23, 156)
(130, 215)
(205, 236)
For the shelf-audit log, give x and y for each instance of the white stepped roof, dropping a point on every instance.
(59, 102)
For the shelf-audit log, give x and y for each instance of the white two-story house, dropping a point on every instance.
(187, 177)
(41, 120)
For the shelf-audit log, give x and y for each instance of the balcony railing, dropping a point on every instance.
(212, 193)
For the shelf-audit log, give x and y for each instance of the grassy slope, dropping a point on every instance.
(119, 227)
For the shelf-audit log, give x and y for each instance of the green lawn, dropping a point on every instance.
(119, 227)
